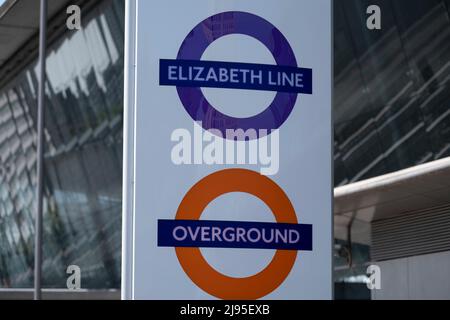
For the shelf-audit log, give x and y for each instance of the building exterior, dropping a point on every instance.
(392, 146)
(84, 148)
(392, 125)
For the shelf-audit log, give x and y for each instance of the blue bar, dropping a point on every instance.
(250, 76)
(188, 233)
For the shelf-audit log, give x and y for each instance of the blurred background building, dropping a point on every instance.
(392, 147)
(392, 143)
(83, 159)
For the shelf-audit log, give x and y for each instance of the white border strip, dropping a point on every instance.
(402, 176)
(128, 150)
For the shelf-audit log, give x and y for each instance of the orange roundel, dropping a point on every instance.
(192, 260)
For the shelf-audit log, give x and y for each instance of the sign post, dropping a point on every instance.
(228, 150)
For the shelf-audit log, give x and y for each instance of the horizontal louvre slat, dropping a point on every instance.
(412, 217)
(413, 247)
(416, 233)
(421, 220)
(413, 224)
(407, 234)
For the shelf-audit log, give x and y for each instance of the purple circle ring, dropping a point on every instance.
(215, 27)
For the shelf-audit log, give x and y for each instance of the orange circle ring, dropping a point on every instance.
(192, 260)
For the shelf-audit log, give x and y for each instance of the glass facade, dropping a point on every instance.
(83, 159)
(392, 97)
(391, 103)
(392, 111)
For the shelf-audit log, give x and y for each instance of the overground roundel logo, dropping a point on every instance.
(188, 73)
(188, 233)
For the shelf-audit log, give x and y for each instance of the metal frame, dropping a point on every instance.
(332, 148)
(128, 150)
(40, 152)
(60, 294)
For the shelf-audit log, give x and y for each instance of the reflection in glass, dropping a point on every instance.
(392, 89)
(391, 103)
(83, 169)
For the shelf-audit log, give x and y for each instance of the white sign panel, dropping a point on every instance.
(228, 170)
